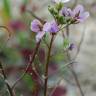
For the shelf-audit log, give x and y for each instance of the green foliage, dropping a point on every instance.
(53, 11)
(7, 7)
(66, 43)
(59, 6)
(10, 55)
(56, 14)
(24, 40)
(29, 82)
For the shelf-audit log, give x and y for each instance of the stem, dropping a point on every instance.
(67, 30)
(75, 76)
(46, 67)
(30, 63)
(8, 86)
(71, 68)
(77, 81)
(35, 16)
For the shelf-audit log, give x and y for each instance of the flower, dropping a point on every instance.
(39, 36)
(36, 26)
(77, 15)
(51, 27)
(71, 46)
(60, 1)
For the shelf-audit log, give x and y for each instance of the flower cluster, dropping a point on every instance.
(62, 16)
(77, 15)
(41, 29)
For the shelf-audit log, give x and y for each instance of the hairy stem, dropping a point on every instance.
(46, 67)
(8, 86)
(30, 63)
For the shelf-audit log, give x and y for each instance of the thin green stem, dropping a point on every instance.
(46, 67)
(67, 30)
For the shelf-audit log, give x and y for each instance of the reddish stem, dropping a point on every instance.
(46, 67)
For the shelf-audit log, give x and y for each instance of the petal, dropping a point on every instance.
(39, 36)
(78, 9)
(70, 12)
(35, 25)
(67, 12)
(64, 11)
(84, 16)
(46, 27)
(51, 27)
(54, 27)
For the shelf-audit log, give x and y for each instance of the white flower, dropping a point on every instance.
(60, 1)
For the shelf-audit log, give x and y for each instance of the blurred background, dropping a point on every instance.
(16, 15)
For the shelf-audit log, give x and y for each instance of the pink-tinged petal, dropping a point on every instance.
(78, 9)
(51, 27)
(35, 25)
(39, 36)
(83, 17)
